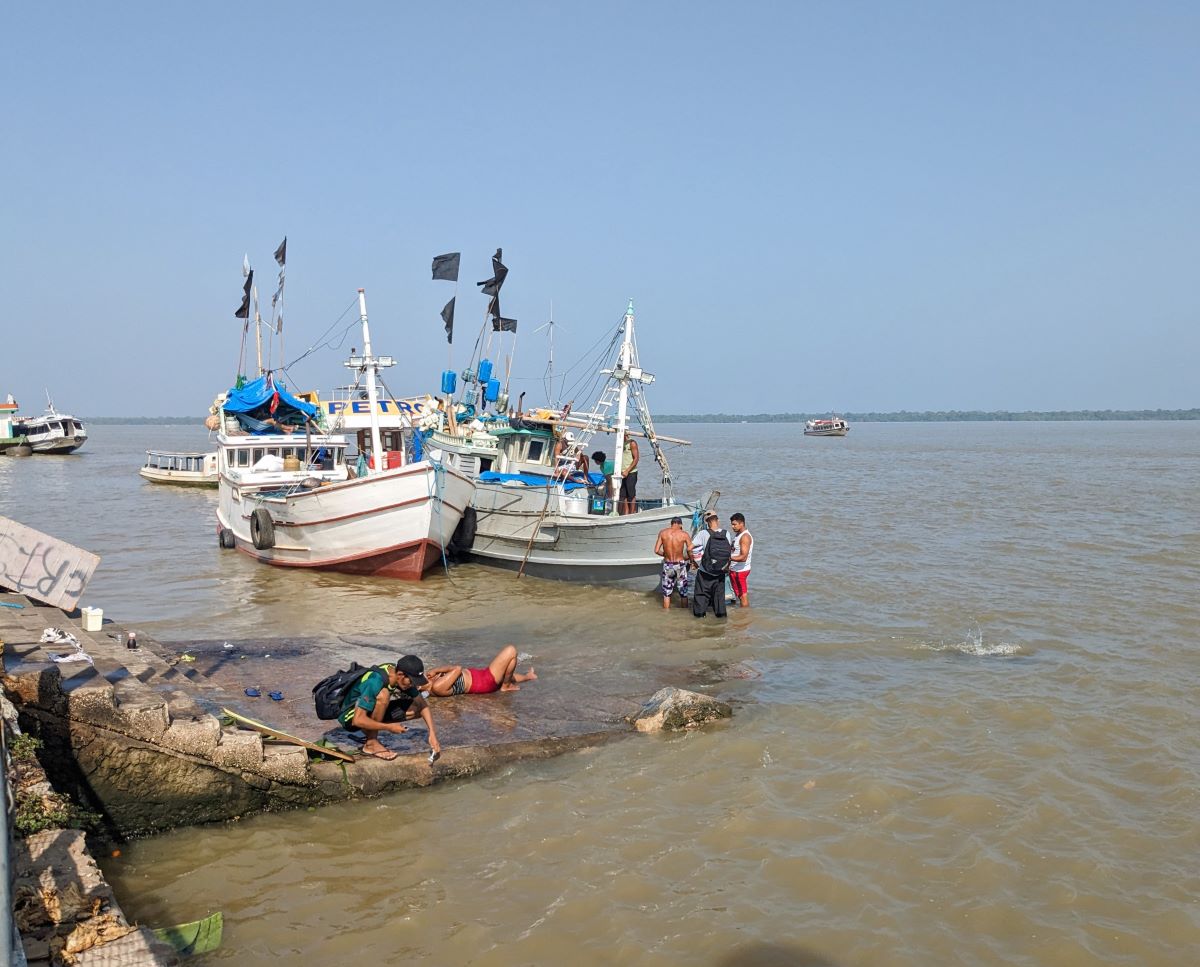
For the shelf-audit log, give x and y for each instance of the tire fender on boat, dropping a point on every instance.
(225, 538)
(262, 529)
(464, 533)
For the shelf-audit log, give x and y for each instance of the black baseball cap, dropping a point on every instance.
(414, 668)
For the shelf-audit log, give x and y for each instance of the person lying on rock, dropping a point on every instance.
(376, 703)
(500, 676)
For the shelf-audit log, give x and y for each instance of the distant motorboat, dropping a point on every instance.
(832, 427)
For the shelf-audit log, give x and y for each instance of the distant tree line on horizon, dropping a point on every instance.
(900, 416)
(938, 416)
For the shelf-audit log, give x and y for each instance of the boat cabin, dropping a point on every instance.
(189, 463)
(279, 457)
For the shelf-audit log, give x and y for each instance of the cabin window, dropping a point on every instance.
(536, 451)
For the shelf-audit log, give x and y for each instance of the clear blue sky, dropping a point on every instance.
(852, 206)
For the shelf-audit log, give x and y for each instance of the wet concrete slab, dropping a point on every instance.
(550, 708)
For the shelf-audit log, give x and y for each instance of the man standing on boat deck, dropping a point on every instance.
(370, 707)
(675, 548)
(739, 560)
(629, 462)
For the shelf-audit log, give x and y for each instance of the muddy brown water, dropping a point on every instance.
(965, 726)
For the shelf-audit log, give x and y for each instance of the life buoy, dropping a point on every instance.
(225, 538)
(464, 534)
(262, 529)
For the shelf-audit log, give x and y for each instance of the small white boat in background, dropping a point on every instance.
(833, 427)
(181, 469)
(52, 432)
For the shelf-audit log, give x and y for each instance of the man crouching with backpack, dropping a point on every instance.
(383, 698)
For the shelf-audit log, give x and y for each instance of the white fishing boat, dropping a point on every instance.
(290, 499)
(181, 469)
(831, 427)
(52, 432)
(534, 513)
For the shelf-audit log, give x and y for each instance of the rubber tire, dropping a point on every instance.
(464, 534)
(225, 539)
(262, 529)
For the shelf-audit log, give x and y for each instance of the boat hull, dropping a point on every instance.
(392, 524)
(59, 445)
(826, 432)
(179, 478)
(568, 544)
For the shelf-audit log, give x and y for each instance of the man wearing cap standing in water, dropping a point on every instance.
(370, 706)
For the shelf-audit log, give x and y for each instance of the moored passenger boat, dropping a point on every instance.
(52, 432)
(181, 469)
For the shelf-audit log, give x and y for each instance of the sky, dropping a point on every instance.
(814, 206)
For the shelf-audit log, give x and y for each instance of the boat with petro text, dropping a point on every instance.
(289, 497)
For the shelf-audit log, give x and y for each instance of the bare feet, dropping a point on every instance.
(378, 750)
(510, 687)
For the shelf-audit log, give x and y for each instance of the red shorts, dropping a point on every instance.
(738, 581)
(482, 681)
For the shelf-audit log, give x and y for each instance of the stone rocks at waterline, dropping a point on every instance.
(675, 709)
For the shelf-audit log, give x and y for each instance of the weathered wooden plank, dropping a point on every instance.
(43, 567)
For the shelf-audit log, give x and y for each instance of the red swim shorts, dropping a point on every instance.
(482, 681)
(738, 580)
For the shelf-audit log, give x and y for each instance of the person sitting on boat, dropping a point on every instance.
(562, 455)
(384, 698)
(500, 676)
(675, 548)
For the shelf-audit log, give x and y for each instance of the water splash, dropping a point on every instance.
(974, 644)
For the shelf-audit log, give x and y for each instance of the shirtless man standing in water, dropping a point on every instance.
(675, 548)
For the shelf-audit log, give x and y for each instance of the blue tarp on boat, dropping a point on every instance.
(259, 392)
(536, 480)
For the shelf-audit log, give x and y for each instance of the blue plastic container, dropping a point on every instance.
(492, 390)
(485, 370)
(449, 381)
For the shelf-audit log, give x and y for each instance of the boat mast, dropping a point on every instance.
(621, 375)
(370, 364)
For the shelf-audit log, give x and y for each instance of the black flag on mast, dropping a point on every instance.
(244, 309)
(448, 319)
(281, 258)
(492, 286)
(446, 266)
(503, 325)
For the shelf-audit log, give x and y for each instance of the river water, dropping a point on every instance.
(965, 724)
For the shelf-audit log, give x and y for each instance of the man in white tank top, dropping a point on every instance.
(739, 562)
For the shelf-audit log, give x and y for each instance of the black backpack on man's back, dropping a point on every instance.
(717, 552)
(330, 692)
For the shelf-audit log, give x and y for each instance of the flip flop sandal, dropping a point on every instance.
(277, 696)
(253, 692)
